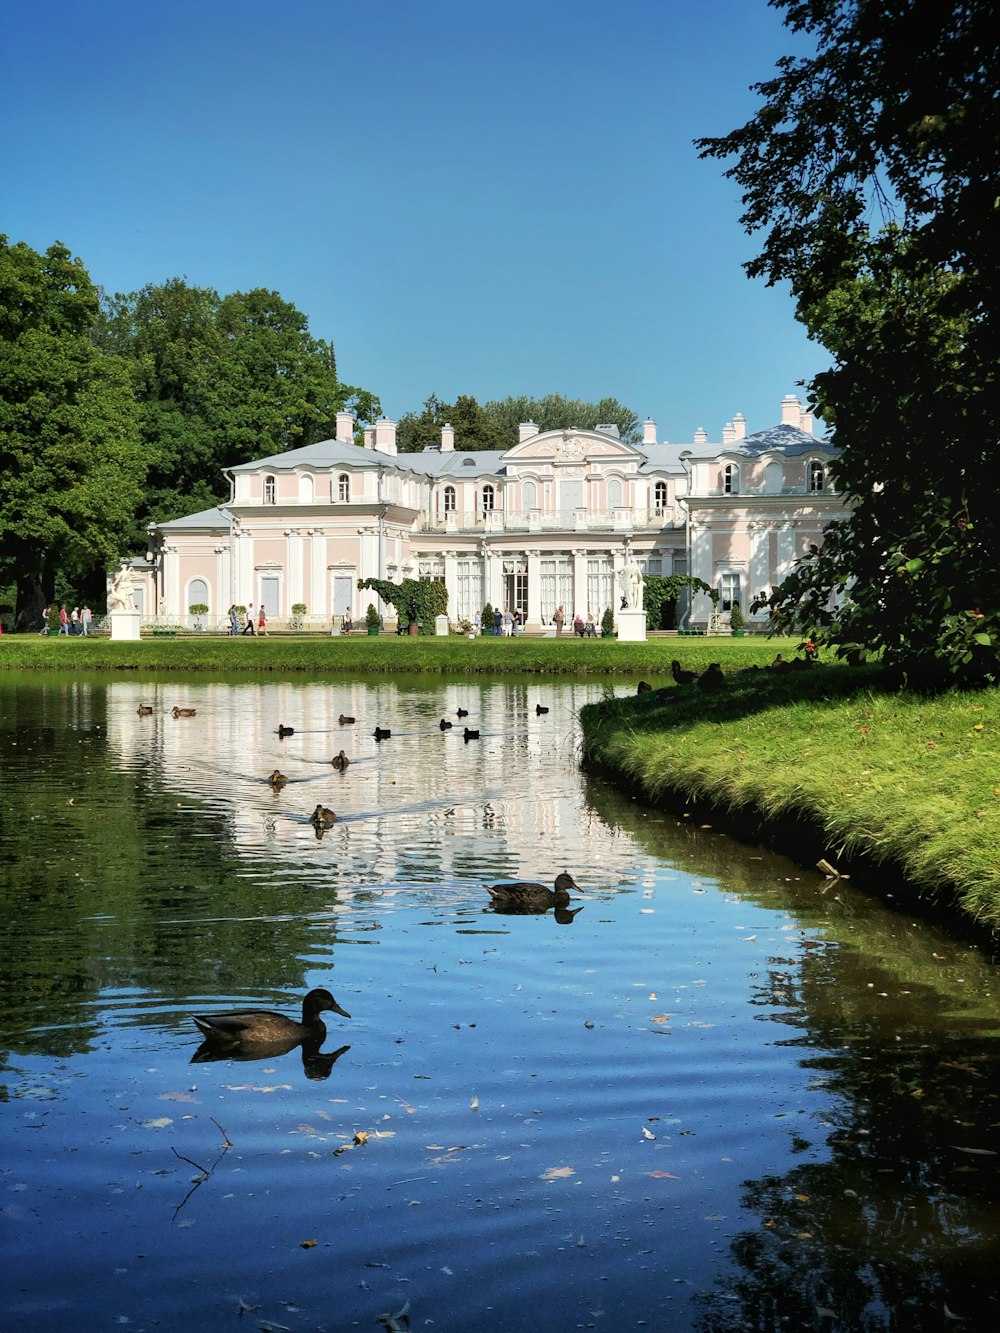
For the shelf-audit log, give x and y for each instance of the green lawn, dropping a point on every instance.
(906, 779)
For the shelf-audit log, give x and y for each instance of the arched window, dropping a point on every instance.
(306, 488)
(614, 494)
(449, 500)
(270, 490)
(488, 498)
(529, 496)
(343, 488)
(198, 593)
(660, 497)
(817, 475)
(730, 479)
(774, 479)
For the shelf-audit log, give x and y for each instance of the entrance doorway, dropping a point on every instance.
(515, 586)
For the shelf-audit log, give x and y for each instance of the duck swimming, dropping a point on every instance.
(340, 761)
(382, 733)
(344, 720)
(323, 817)
(144, 710)
(277, 779)
(527, 892)
(183, 712)
(462, 712)
(470, 735)
(539, 710)
(444, 724)
(265, 1025)
(284, 731)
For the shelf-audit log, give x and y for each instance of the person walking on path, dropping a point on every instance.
(234, 622)
(45, 620)
(262, 622)
(559, 619)
(85, 620)
(508, 623)
(74, 621)
(497, 623)
(63, 620)
(248, 627)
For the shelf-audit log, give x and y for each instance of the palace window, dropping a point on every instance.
(343, 488)
(449, 500)
(817, 475)
(729, 590)
(488, 498)
(660, 497)
(730, 479)
(528, 496)
(270, 490)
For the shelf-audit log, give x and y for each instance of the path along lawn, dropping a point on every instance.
(911, 781)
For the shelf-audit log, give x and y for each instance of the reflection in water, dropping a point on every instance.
(734, 1096)
(316, 1064)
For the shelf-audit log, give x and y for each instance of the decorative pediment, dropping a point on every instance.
(572, 446)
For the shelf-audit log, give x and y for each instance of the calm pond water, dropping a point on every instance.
(723, 1095)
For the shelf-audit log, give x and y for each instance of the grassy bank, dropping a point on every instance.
(359, 654)
(901, 779)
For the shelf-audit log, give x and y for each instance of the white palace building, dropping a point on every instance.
(543, 524)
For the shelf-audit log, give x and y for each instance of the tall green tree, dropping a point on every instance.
(219, 381)
(473, 427)
(872, 168)
(71, 462)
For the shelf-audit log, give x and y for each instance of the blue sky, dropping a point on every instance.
(466, 198)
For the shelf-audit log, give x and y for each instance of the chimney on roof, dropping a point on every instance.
(345, 427)
(701, 435)
(447, 439)
(728, 433)
(806, 421)
(385, 436)
(525, 430)
(369, 437)
(791, 410)
(740, 426)
(649, 431)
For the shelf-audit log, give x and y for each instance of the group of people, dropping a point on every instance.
(71, 623)
(583, 629)
(505, 623)
(251, 627)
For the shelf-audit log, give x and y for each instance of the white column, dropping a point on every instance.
(317, 574)
(172, 582)
(701, 568)
(221, 598)
(245, 591)
(293, 562)
(451, 582)
(534, 621)
(760, 574)
(786, 551)
(579, 583)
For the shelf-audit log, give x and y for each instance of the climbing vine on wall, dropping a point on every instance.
(661, 590)
(417, 600)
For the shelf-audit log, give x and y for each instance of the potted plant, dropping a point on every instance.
(372, 619)
(298, 611)
(608, 624)
(199, 610)
(736, 622)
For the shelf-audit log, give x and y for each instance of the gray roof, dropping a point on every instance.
(787, 440)
(326, 453)
(205, 518)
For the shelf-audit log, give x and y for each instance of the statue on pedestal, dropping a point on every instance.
(121, 594)
(631, 582)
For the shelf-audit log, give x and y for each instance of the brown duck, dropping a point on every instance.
(184, 712)
(323, 817)
(340, 761)
(144, 710)
(344, 720)
(265, 1025)
(277, 779)
(681, 676)
(528, 893)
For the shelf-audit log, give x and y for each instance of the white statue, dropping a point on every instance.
(631, 582)
(122, 591)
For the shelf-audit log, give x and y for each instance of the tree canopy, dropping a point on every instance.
(71, 462)
(871, 168)
(494, 425)
(219, 381)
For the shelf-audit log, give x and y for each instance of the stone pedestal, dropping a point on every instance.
(441, 626)
(124, 624)
(631, 625)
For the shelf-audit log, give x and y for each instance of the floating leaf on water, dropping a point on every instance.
(161, 1123)
(307, 1244)
(662, 1175)
(660, 1018)
(558, 1173)
(360, 1136)
(647, 1133)
(474, 1104)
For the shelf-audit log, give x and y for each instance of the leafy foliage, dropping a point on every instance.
(416, 600)
(71, 464)
(662, 592)
(872, 168)
(220, 381)
(495, 425)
